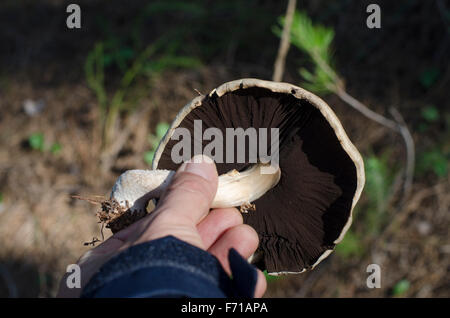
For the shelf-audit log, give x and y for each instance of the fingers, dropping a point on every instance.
(261, 285)
(191, 192)
(216, 223)
(243, 238)
(183, 205)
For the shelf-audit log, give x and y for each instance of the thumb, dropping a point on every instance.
(192, 190)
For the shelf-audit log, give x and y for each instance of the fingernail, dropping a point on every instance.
(200, 165)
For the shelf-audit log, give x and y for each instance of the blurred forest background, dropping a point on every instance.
(78, 107)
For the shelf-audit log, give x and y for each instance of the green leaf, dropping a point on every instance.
(161, 129)
(1, 197)
(36, 141)
(423, 127)
(171, 62)
(430, 113)
(434, 160)
(315, 41)
(148, 157)
(429, 77)
(350, 246)
(151, 139)
(108, 59)
(126, 53)
(401, 287)
(306, 74)
(56, 148)
(378, 180)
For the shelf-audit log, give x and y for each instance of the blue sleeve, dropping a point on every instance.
(169, 267)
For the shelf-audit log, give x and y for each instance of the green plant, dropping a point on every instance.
(154, 140)
(1, 198)
(151, 61)
(350, 246)
(430, 113)
(400, 288)
(435, 160)
(55, 148)
(429, 77)
(37, 142)
(133, 60)
(379, 180)
(315, 40)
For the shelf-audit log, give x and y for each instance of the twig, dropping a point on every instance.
(92, 242)
(410, 152)
(284, 43)
(363, 109)
(398, 125)
(313, 277)
(94, 199)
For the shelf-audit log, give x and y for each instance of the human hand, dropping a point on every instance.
(184, 212)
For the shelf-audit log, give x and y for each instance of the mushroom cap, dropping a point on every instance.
(302, 218)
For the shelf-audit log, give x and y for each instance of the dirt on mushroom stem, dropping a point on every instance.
(116, 217)
(112, 215)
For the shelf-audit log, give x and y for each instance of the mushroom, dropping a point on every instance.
(303, 209)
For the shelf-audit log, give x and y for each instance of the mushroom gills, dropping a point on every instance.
(135, 188)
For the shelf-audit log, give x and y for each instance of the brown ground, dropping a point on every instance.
(42, 229)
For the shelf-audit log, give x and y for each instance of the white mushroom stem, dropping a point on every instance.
(135, 188)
